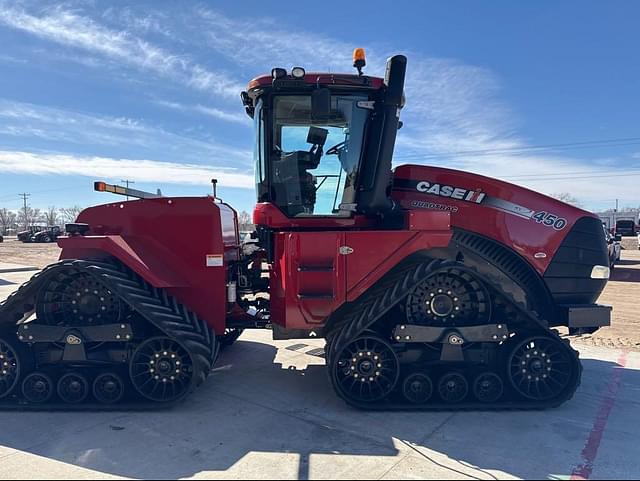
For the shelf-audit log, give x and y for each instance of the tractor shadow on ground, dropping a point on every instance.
(262, 415)
(625, 274)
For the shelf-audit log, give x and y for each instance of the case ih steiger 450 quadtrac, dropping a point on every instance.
(434, 288)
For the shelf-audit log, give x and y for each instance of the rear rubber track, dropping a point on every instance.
(154, 305)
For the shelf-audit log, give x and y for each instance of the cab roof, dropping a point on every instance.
(322, 78)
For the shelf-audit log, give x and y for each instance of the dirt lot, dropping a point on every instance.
(622, 292)
(37, 255)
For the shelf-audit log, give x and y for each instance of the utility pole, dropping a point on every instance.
(127, 182)
(615, 213)
(25, 196)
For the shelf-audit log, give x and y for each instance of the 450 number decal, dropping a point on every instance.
(550, 220)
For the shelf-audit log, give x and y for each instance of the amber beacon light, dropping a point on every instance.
(359, 60)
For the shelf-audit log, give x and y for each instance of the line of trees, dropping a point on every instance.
(12, 221)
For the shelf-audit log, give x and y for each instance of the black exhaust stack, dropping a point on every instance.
(373, 198)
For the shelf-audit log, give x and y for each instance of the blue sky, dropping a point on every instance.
(103, 90)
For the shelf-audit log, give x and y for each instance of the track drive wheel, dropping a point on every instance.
(542, 368)
(450, 296)
(366, 370)
(161, 370)
(10, 367)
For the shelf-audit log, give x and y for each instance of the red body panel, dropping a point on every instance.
(311, 277)
(490, 207)
(182, 244)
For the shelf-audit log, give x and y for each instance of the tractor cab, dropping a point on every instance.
(320, 139)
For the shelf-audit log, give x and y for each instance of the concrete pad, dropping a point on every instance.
(269, 412)
(6, 267)
(10, 281)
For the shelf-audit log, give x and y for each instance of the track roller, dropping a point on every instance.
(9, 368)
(38, 388)
(73, 388)
(488, 387)
(417, 388)
(453, 387)
(366, 370)
(108, 388)
(161, 370)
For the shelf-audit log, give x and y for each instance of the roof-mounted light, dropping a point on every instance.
(359, 59)
(278, 73)
(298, 73)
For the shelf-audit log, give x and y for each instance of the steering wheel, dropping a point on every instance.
(335, 150)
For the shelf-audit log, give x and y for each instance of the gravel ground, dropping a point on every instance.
(37, 255)
(622, 292)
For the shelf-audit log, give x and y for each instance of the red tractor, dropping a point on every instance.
(434, 288)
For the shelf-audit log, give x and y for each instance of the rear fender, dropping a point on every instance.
(149, 262)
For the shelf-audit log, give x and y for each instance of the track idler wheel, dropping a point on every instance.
(542, 368)
(453, 387)
(417, 388)
(73, 388)
(488, 387)
(38, 388)
(9, 368)
(161, 370)
(366, 370)
(108, 388)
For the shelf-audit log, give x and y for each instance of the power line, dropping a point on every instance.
(621, 142)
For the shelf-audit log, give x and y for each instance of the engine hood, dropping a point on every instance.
(532, 224)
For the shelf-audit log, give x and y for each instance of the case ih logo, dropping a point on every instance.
(450, 191)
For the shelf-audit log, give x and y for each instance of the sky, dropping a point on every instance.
(542, 94)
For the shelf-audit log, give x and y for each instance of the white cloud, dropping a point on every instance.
(60, 126)
(67, 28)
(139, 170)
(237, 117)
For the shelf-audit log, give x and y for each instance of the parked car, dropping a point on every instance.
(626, 227)
(48, 234)
(615, 248)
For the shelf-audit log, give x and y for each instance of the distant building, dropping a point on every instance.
(610, 219)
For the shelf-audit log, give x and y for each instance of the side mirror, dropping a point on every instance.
(320, 104)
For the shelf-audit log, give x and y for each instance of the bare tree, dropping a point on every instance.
(567, 198)
(7, 220)
(70, 214)
(244, 221)
(29, 216)
(51, 216)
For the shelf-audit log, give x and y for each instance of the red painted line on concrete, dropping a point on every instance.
(590, 450)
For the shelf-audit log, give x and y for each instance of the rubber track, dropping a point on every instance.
(153, 304)
(375, 303)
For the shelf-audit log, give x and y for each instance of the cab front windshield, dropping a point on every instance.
(313, 164)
